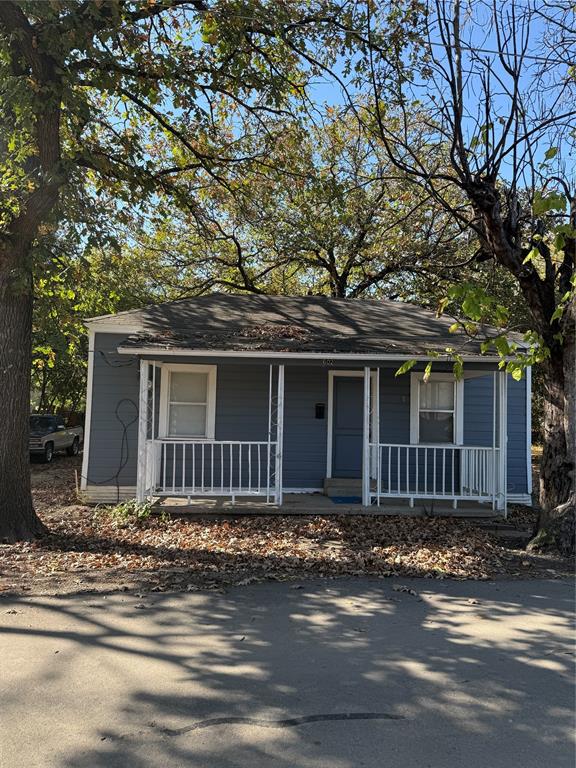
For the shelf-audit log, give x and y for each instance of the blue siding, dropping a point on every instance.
(242, 414)
(305, 438)
(517, 439)
(394, 407)
(115, 388)
(479, 410)
(478, 420)
(242, 402)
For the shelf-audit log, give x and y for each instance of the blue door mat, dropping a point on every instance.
(346, 499)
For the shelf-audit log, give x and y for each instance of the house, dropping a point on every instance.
(244, 396)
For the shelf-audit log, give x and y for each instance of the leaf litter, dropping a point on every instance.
(88, 550)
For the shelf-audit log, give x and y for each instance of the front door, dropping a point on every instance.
(347, 426)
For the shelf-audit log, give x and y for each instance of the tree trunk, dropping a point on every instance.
(557, 523)
(18, 520)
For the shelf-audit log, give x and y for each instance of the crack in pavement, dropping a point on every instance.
(290, 722)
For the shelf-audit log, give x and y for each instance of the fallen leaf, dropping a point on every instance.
(408, 590)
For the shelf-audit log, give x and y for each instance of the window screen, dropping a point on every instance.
(436, 412)
(188, 404)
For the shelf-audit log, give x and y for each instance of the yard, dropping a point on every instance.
(88, 549)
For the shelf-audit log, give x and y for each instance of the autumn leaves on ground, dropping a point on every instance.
(88, 549)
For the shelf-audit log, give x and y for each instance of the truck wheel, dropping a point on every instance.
(48, 452)
(73, 449)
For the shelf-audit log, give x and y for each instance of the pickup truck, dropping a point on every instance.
(49, 434)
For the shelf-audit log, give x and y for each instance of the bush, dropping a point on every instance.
(130, 512)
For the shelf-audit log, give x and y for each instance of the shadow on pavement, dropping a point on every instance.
(337, 674)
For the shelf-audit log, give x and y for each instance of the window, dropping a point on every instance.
(188, 396)
(434, 410)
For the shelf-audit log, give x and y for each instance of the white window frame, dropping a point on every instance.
(167, 370)
(415, 381)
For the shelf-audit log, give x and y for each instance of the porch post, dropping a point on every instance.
(495, 464)
(503, 441)
(142, 432)
(279, 433)
(269, 445)
(153, 456)
(366, 441)
(375, 468)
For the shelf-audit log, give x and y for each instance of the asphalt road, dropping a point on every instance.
(332, 675)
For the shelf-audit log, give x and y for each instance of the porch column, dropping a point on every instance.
(495, 425)
(375, 426)
(142, 431)
(503, 441)
(279, 434)
(366, 441)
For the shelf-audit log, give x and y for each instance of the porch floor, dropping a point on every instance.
(318, 504)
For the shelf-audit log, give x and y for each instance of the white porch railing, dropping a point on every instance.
(187, 467)
(446, 472)
(212, 468)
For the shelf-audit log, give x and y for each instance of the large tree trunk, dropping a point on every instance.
(18, 520)
(557, 524)
(40, 74)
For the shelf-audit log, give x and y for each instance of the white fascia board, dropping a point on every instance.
(294, 355)
(127, 330)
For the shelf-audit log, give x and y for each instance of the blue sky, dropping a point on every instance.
(479, 40)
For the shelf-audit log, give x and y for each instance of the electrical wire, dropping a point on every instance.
(126, 424)
(124, 446)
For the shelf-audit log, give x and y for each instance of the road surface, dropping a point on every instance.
(337, 674)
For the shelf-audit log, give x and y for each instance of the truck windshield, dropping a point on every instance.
(41, 422)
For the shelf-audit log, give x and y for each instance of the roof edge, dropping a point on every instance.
(187, 352)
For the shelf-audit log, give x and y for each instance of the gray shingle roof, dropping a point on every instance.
(235, 322)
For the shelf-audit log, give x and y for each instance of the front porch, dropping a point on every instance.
(297, 504)
(249, 476)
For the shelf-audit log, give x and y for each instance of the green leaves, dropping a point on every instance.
(458, 367)
(534, 253)
(563, 301)
(76, 284)
(476, 303)
(553, 201)
(405, 367)
(442, 305)
(503, 346)
(551, 153)
(472, 306)
(515, 369)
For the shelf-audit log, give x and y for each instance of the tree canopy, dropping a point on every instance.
(178, 146)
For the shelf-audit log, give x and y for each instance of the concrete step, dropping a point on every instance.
(342, 486)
